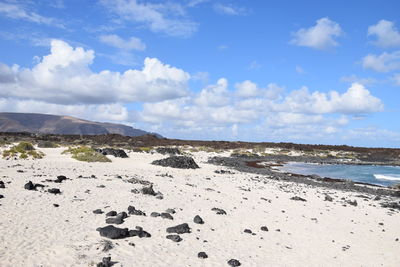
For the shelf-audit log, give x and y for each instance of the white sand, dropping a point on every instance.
(35, 233)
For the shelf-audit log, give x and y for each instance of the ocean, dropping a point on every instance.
(380, 175)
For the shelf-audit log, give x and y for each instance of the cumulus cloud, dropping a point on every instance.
(384, 62)
(64, 77)
(214, 95)
(166, 17)
(320, 36)
(357, 99)
(386, 33)
(114, 40)
(248, 89)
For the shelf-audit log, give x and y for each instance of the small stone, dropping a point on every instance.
(168, 216)
(139, 232)
(148, 190)
(98, 211)
(171, 211)
(179, 229)
(134, 211)
(106, 262)
(2, 184)
(29, 186)
(219, 211)
(54, 191)
(56, 205)
(155, 214)
(111, 213)
(264, 228)
(234, 262)
(353, 203)
(197, 219)
(328, 198)
(296, 198)
(1, 196)
(248, 231)
(202, 255)
(175, 238)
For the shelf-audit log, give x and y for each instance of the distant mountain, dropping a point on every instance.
(54, 124)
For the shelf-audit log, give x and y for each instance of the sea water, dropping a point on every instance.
(373, 174)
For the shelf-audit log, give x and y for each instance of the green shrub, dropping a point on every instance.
(24, 149)
(88, 154)
(47, 144)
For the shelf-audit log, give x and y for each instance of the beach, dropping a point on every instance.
(267, 222)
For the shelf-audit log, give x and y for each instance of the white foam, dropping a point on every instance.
(391, 177)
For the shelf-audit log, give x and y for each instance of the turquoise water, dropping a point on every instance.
(380, 175)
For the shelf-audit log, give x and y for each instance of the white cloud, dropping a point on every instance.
(320, 36)
(355, 79)
(16, 11)
(384, 62)
(64, 77)
(132, 43)
(168, 18)
(229, 9)
(214, 95)
(387, 35)
(357, 99)
(247, 89)
(396, 78)
(194, 3)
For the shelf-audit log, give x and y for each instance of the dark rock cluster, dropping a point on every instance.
(118, 153)
(179, 229)
(180, 162)
(31, 186)
(168, 150)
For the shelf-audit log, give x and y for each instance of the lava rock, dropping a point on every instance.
(168, 216)
(54, 191)
(219, 211)
(202, 255)
(60, 178)
(353, 203)
(113, 232)
(132, 210)
(234, 262)
(139, 232)
(29, 186)
(111, 213)
(56, 205)
(197, 219)
(247, 231)
(118, 153)
(168, 150)
(171, 211)
(1, 196)
(328, 198)
(98, 211)
(148, 190)
(391, 205)
(296, 198)
(175, 238)
(105, 262)
(179, 229)
(115, 220)
(264, 228)
(180, 162)
(155, 214)
(2, 184)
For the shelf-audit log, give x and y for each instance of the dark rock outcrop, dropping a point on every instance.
(105, 262)
(180, 162)
(168, 150)
(202, 255)
(132, 210)
(234, 263)
(118, 153)
(139, 232)
(54, 191)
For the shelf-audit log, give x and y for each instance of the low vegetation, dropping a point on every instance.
(23, 150)
(85, 153)
(47, 144)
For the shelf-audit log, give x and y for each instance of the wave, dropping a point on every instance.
(390, 177)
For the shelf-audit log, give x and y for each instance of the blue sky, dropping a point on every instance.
(290, 71)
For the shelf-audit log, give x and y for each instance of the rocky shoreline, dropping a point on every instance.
(244, 164)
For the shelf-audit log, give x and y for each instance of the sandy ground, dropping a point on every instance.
(313, 233)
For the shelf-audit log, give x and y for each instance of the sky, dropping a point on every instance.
(318, 72)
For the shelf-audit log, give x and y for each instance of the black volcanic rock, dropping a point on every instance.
(175, 238)
(202, 255)
(134, 211)
(166, 215)
(2, 184)
(98, 211)
(179, 229)
(148, 190)
(296, 198)
(60, 178)
(168, 150)
(180, 162)
(113, 232)
(197, 219)
(54, 191)
(29, 186)
(139, 232)
(105, 262)
(118, 153)
(111, 213)
(234, 263)
(219, 211)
